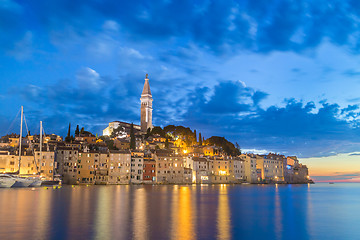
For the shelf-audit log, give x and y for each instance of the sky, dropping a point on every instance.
(273, 76)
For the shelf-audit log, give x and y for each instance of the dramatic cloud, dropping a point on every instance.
(83, 62)
(221, 26)
(295, 127)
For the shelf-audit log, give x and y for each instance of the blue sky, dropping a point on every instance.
(280, 76)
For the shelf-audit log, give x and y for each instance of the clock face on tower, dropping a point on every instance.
(146, 106)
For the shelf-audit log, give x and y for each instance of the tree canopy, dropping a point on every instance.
(228, 147)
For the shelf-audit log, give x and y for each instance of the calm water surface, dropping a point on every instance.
(319, 211)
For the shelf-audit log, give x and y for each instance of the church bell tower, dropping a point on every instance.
(146, 106)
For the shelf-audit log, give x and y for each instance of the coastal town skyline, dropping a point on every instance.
(289, 89)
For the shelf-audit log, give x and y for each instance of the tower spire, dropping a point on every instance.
(146, 89)
(146, 106)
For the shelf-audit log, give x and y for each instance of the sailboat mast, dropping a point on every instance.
(41, 130)
(20, 139)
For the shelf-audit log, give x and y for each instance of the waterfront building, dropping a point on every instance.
(294, 172)
(219, 168)
(270, 168)
(86, 170)
(249, 167)
(169, 166)
(149, 172)
(8, 161)
(200, 168)
(67, 159)
(137, 166)
(102, 168)
(146, 106)
(187, 175)
(45, 161)
(119, 167)
(237, 169)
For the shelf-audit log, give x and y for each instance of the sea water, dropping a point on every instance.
(317, 211)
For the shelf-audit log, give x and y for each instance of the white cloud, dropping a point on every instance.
(255, 151)
(111, 25)
(88, 78)
(23, 49)
(131, 52)
(10, 5)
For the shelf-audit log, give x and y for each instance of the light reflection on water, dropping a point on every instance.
(223, 218)
(182, 212)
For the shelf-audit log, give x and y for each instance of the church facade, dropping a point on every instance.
(146, 106)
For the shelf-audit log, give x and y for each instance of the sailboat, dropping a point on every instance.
(37, 179)
(53, 182)
(20, 180)
(6, 181)
(15, 178)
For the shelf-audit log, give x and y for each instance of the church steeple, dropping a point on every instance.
(146, 106)
(146, 89)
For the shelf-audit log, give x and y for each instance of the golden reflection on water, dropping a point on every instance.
(140, 216)
(120, 206)
(43, 212)
(183, 224)
(223, 216)
(74, 211)
(102, 214)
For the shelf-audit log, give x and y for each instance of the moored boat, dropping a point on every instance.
(22, 181)
(51, 183)
(36, 182)
(6, 181)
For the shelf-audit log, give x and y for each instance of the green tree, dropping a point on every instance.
(226, 146)
(132, 137)
(170, 129)
(148, 133)
(77, 131)
(110, 144)
(68, 137)
(195, 136)
(158, 130)
(167, 143)
(238, 147)
(82, 130)
(200, 139)
(69, 130)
